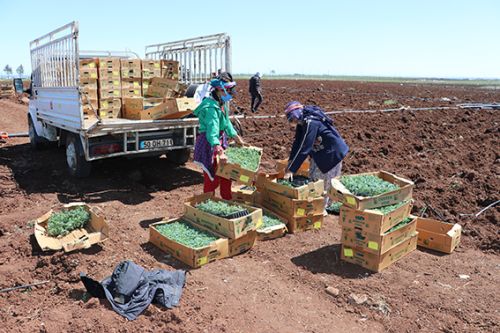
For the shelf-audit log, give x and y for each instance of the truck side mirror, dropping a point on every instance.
(18, 85)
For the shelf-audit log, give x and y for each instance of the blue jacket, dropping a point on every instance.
(316, 136)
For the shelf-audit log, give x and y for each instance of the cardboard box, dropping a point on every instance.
(109, 93)
(152, 65)
(311, 190)
(303, 170)
(88, 73)
(288, 207)
(170, 69)
(127, 93)
(234, 228)
(236, 172)
(134, 64)
(131, 73)
(193, 257)
(109, 113)
(93, 102)
(145, 86)
(272, 232)
(371, 220)
(110, 103)
(243, 193)
(378, 263)
(131, 84)
(109, 74)
(135, 107)
(91, 94)
(261, 178)
(96, 231)
(109, 63)
(162, 87)
(338, 192)
(376, 243)
(305, 223)
(437, 235)
(242, 244)
(88, 83)
(89, 63)
(111, 84)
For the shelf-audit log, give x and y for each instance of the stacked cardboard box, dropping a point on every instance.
(88, 85)
(375, 237)
(302, 207)
(131, 78)
(234, 236)
(170, 69)
(109, 88)
(150, 70)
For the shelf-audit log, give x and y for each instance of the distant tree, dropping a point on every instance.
(20, 70)
(273, 72)
(8, 70)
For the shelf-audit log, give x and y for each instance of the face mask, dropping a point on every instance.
(227, 97)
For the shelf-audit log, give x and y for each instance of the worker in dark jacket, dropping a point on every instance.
(255, 91)
(316, 137)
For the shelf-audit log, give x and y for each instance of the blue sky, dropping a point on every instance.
(358, 37)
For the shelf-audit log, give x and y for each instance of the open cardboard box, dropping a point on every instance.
(244, 193)
(139, 108)
(303, 170)
(371, 220)
(236, 172)
(301, 223)
(338, 192)
(376, 243)
(232, 228)
(437, 235)
(96, 231)
(274, 231)
(290, 208)
(310, 190)
(194, 257)
(377, 263)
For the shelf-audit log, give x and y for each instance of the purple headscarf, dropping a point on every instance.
(293, 110)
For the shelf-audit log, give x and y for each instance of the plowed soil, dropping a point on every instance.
(278, 286)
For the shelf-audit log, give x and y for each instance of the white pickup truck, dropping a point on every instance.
(56, 105)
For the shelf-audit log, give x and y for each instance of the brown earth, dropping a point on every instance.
(279, 285)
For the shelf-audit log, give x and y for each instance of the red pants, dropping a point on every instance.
(211, 186)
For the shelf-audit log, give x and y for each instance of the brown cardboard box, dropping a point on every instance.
(243, 193)
(96, 231)
(131, 73)
(242, 244)
(93, 102)
(109, 74)
(145, 86)
(89, 63)
(274, 231)
(288, 207)
(110, 84)
(377, 263)
(109, 63)
(311, 190)
(88, 84)
(109, 113)
(91, 93)
(88, 73)
(218, 249)
(130, 64)
(236, 172)
(110, 103)
(131, 84)
(338, 192)
(305, 223)
(234, 228)
(376, 243)
(371, 220)
(137, 107)
(170, 69)
(167, 109)
(437, 235)
(151, 69)
(127, 93)
(162, 87)
(109, 93)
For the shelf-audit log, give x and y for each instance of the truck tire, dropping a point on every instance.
(36, 141)
(179, 156)
(75, 157)
(191, 90)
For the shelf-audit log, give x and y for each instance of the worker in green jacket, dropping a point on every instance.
(215, 128)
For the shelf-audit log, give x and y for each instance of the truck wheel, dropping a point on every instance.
(75, 157)
(36, 141)
(191, 90)
(179, 156)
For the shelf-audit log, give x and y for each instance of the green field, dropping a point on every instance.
(494, 83)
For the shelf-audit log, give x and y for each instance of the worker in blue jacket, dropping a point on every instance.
(316, 137)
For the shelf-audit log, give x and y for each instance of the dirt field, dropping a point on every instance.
(279, 285)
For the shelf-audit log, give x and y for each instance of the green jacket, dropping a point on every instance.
(213, 120)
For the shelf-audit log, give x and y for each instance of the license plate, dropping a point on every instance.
(155, 144)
